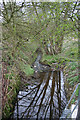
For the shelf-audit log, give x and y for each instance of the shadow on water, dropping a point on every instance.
(46, 99)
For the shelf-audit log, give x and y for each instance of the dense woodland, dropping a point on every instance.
(27, 27)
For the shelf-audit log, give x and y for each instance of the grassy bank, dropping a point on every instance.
(12, 67)
(70, 50)
(68, 60)
(11, 81)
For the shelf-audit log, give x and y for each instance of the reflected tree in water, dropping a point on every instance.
(44, 99)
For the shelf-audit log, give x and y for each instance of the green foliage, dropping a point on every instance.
(72, 77)
(39, 26)
(26, 84)
(39, 18)
(73, 68)
(47, 57)
(36, 26)
(13, 88)
(73, 101)
(77, 92)
(8, 76)
(70, 47)
(7, 110)
(28, 70)
(76, 96)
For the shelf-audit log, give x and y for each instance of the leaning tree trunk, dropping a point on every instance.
(51, 47)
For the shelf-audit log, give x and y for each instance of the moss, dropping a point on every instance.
(26, 68)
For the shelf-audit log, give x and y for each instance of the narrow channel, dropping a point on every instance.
(43, 97)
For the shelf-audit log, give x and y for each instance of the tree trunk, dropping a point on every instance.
(58, 45)
(51, 42)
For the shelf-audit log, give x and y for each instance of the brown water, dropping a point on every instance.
(43, 98)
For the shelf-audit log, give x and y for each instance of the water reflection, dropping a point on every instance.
(46, 99)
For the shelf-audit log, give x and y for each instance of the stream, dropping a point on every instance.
(43, 97)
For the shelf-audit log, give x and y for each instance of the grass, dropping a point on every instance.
(69, 56)
(76, 95)
(49, 59)
(70, 50)
(69, 53)
(12, 90)
(26, 68)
